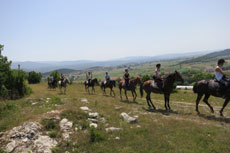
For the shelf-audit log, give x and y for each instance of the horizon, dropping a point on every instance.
(71, 30)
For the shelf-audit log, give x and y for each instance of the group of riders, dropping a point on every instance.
(220, 76)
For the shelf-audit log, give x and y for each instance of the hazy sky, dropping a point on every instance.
(39, 30)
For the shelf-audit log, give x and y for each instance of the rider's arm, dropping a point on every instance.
(219, 70)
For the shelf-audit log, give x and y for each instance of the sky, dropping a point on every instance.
(60, 30)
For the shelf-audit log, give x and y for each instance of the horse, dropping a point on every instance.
(132, 87)
(110, 84)
(52, 84)
(63, 84)
(93, 82)
(208, 88)
(167, 88)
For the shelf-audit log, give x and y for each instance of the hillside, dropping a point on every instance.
(209, 57)
(47, 119)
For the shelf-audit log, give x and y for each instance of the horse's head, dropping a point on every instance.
(96, 81)
(178, 77)
(137, 80)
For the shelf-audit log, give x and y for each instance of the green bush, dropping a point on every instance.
(12, 82)
(53, 134)
(49, 124)
(145, 78)
(96, 136)
(34, 77)
(56, 75)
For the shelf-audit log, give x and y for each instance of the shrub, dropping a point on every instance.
(145, 78)
(96, 136)
(53, 134)
(49, 124)
(34, 77)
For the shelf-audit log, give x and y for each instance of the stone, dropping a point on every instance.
(117, 138)
(84, 100)
(65, 125)
(84, 108)
(91, 120)
(93, 115)
(11, 146)
(43, 144)
(93, 125)
(112, 129)
(128, 118)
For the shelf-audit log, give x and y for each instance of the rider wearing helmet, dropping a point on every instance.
(126, 77)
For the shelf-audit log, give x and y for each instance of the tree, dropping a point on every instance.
(34, 77)
(145, 78)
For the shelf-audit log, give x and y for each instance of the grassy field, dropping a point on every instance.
(181, 130)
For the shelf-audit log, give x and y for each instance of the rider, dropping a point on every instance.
(157, 75)
(220, 75)
(51, 78)
(107, 78)
(89, 77)
(126, 77)
(62, 78)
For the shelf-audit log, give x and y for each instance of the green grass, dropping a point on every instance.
(181, 130)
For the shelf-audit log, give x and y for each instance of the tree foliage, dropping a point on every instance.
(34, 77)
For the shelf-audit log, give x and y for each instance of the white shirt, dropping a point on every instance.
(218, 75)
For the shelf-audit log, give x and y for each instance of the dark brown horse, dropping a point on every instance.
(132, 87)
(52, 84)
(93, 82)
(208, 88)
(63, 84)
(167, 88)
(110, 84)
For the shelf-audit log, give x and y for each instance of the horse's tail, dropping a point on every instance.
(114, 83)
(195, 88)
(141, 89)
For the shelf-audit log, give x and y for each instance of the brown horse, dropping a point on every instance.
(110, 84)
(93, 82)
(208, 88)
(167, 88)
(132, 87)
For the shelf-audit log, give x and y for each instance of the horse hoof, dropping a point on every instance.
(198, 113)
(212, 111)
(221, 114)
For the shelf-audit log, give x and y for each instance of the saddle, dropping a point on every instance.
(157, 83)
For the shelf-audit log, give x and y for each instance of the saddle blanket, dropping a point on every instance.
(154, 84)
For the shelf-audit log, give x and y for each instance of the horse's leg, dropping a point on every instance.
(151, 102)
(120, 93)
(225, 104)
(113, 92)
(206, 102)
(133, 95)
(147, 99)
(126, 94)
(166, 97)
(168, 101)
(199, 96)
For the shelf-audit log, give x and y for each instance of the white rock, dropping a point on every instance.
(85, 108)
(65, 135)
(91, 120)
(112, 129)
(11, 146)
(138, 126)
(117, 138)
(128, 118)
(84, 100)
(93, 125)
(93, 115)
(65, 125)
(43, 144)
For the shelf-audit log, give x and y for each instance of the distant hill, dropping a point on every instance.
(48, 66)
(209, 57)
(63, 71)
